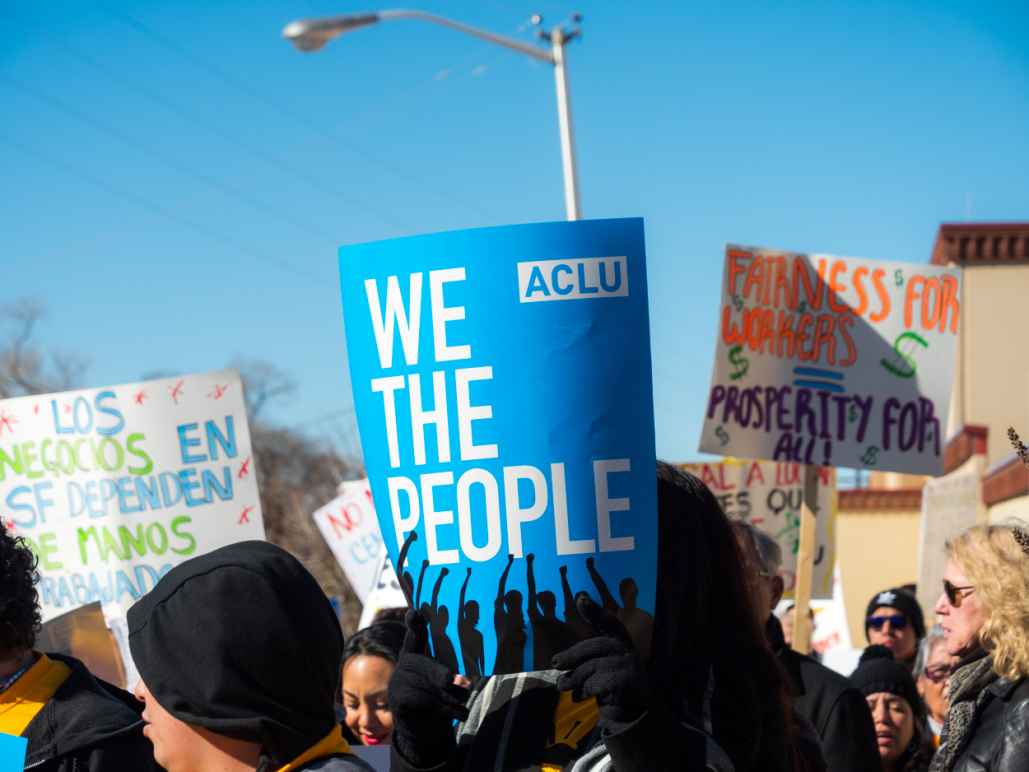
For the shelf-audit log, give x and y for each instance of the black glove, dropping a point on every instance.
(605, 667)
(424, 700)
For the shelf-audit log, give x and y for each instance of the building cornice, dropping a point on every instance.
(997, 243)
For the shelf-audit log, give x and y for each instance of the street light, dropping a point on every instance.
(312, 34)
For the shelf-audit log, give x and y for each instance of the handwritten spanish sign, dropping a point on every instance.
(350, 528)
(113, 487)
(503, 393)
(833, 361)
(768, 495)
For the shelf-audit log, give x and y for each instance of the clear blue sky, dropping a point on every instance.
(177, 179)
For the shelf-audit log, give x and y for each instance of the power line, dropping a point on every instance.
(121, 136)
(243, 87)
(235, 140)
(161, 211)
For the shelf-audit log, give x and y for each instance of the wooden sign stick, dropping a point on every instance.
(805, 562)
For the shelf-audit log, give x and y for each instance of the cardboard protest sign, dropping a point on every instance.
(503, 392)
(350, 528)
(950, 504)
(83, 633)
(768, 495)
(114, 486)
(833, 361)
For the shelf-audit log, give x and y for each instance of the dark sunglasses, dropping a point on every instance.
(937, 674)
(897, 622)
(954, 593)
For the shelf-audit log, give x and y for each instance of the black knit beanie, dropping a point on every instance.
(904, 602)
(878, 671)
(242, 641)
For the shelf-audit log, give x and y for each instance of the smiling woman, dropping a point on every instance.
(368, 661)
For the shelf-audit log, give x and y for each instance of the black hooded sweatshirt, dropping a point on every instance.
(88, 725)
(243, 642)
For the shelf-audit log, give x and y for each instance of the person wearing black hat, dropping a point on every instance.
(239, 654)
(903, 738)
(894, 619)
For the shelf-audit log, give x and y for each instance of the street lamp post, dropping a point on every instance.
(312, 34)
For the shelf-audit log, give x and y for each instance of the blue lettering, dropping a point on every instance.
(584, 288)
(215, 438)
(57, 420)
(223, 488)
(188, 481)
(166, 495)
(15, 506)
(567, 288)
(125, 493)
(85, 426)
(618, 276)
(147, 487)
(108, 431)
(185, 443)
(536, 283)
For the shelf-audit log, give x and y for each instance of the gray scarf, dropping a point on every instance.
(967, 694)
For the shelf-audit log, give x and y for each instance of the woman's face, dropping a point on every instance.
(932, 681)
(894, 724)
(962, 620)
(365, 681)
(894, 631)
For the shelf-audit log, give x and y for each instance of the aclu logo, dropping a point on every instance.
(578, 278)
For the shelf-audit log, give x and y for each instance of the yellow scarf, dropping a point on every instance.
(332, 743)
(26, 697)
(572, 722)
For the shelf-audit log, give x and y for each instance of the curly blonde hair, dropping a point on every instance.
(998, 566)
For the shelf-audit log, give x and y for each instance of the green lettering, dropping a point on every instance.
(6, 461)
(83, 537)
(191, 547)
(140, 453)
(138, 543)
(28, 454)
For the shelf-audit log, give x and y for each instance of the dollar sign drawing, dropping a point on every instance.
(738, 302)
(722, 435)
(903, 364)
(852, 414)
(740, 362)
(871, 456)
(898, 277)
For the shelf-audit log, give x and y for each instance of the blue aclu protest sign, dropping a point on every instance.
(502, 385)
(12, 752)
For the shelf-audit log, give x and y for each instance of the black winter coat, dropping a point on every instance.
(1000, 735)
(838, 711)
(88, 726)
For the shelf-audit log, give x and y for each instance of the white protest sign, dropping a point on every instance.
(114, 486)
(386, 593)
(950, 504)
(833, 361)
(351, 530)
(768, 495)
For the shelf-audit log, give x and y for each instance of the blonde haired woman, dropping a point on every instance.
(984, 613)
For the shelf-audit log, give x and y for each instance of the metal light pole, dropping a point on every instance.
(312, 34)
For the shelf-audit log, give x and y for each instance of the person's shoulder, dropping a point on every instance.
(826, 678)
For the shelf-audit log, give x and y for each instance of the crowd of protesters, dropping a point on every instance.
(243, 667)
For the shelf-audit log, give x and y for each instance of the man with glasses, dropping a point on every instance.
(894, 619)
(826, 700)
(933, 667)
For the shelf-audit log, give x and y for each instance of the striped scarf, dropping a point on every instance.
(967, 693)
